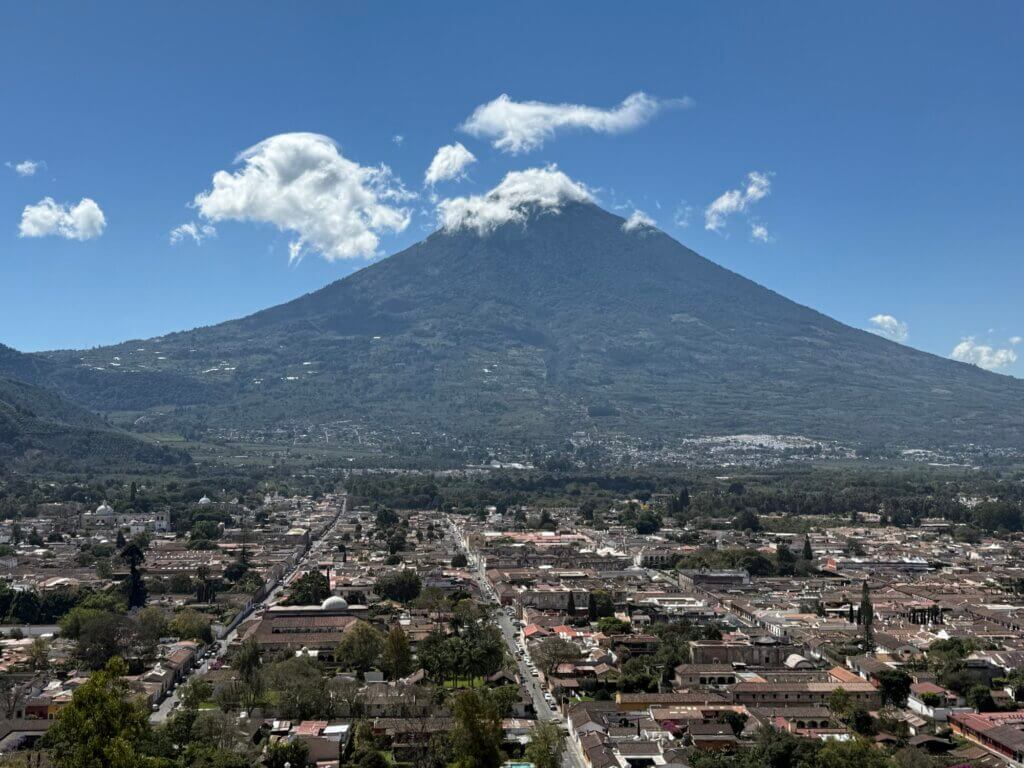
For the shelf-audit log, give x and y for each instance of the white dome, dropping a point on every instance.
(204, 501)
(334, 603)
(103, 509)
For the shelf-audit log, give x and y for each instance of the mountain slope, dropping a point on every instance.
(39, 428)
(535, 331)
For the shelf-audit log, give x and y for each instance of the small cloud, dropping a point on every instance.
(982, 355)
(398, 139)
(889, 327)
(733, 201)
(546, 188)
(759, 232)
(521, 126)
(301, 183)
(198, 232)
(26, 167)
(450, 162)
(684, 212)
(83, 221)
(1015, 340)
(638, 220)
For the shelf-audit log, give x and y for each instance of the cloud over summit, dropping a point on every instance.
(545, 188)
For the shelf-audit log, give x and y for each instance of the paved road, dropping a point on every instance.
(572, 757)
(220, 647)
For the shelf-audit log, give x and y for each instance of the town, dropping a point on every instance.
(333, 629)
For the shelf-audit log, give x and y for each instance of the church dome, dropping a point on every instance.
(205, 501)
(104, 509)
(334, 604)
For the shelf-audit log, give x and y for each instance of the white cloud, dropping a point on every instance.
(450, 162)
(26, 167)
(398, 139)
(520, 126)
(981, 355)
(1015, 340)
(545, 188)
(301, 183)
(890, 327)
(197, 231)
(83, 221)
(637, 220)
(759, 232)
(681, 218)
(758, 186)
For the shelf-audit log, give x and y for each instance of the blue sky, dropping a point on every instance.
(889, 135)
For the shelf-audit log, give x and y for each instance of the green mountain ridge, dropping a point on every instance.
(39, 429)
(565, 323)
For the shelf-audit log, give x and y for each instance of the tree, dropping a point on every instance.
(396, 656)
(302, 691)
(484, 650)
(151, 625)
(647, 523)
(850, 754)
(861, 721)
(553, 651)
(894, 686)
(39, 654)
(312, 588)
(247, 661)
(547, 743)
(808, 551)
(459, 561)
(12, 694)
(290, 753)
(786, 560)
(682, 502)
(476, 732)
(360, 647)
(133, 556)
(205, 530)
(600, 605)
(370, 758)
(867, 617)
(101, 727)
(747, 520)
(195, 692)
(191, 625)
(402, 586)
(101, 636)
(25, 606)
(610, 625)
(980, 697)
(737, 721)
(639, 674)
(840, 702)
(229, 697)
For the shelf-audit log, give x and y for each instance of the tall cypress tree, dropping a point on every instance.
(867, 617)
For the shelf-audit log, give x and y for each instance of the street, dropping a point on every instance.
(572, 757)
(220, 646)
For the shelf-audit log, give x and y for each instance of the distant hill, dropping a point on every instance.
(533, 332)
(40, 429)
